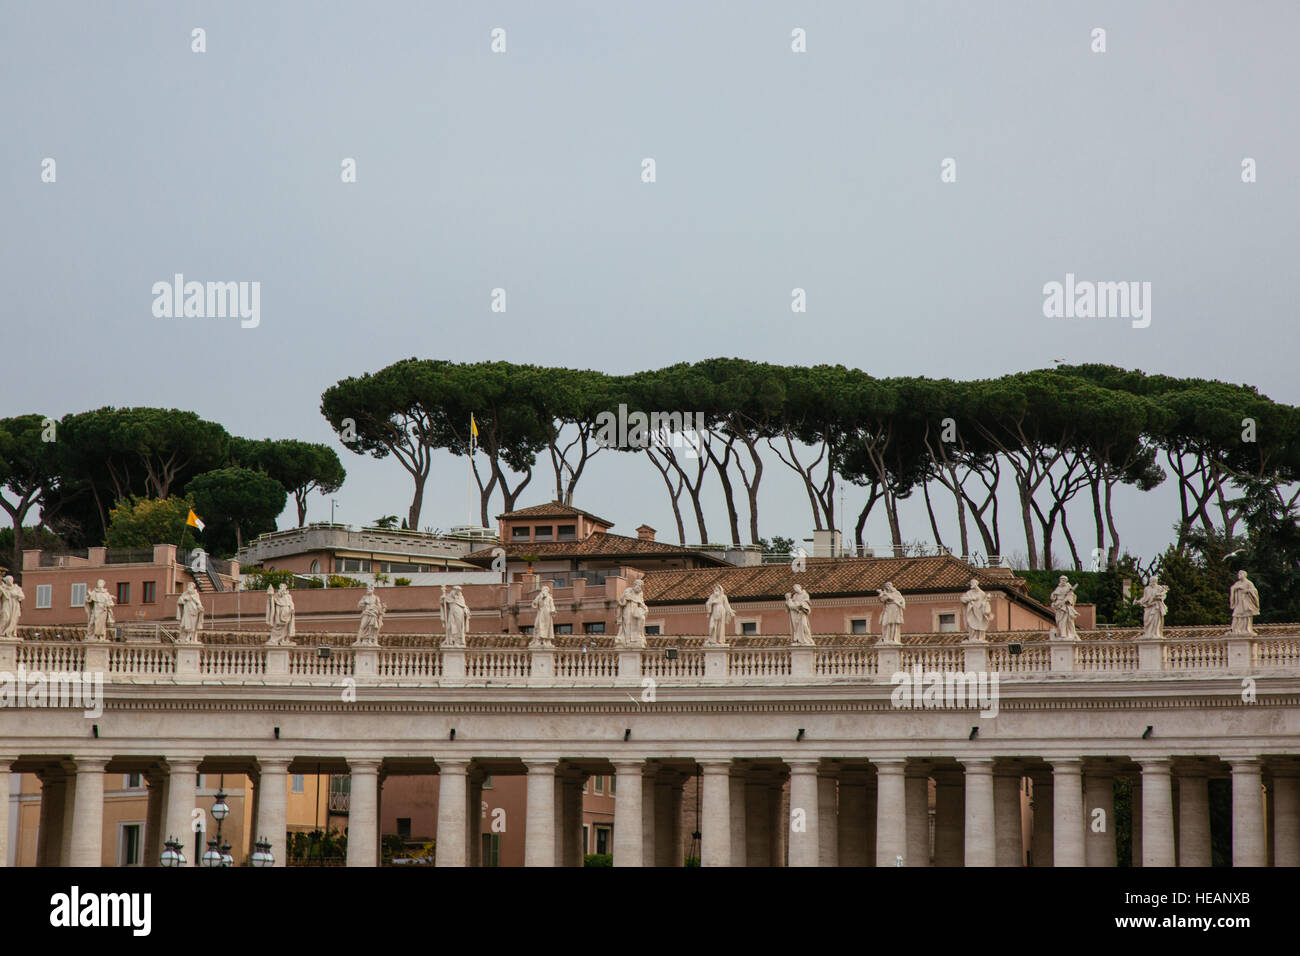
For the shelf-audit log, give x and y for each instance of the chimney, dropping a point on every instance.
(645, 533)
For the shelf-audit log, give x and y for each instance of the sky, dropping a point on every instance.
(522, 170)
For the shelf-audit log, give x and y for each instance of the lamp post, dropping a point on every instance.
(173, 856)
(213, 857)
(262, 854)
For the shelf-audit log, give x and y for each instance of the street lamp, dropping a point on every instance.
(262, 854)
(213, 857)
(173, 856)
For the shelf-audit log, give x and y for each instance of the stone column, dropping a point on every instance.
(88, 813)
(853, 820)
(1099, 844)
(715, 827)
(665, 825)
(780, 824)
(1247, 812)
(453, 807)
(272, 806)
(1193, 819)
(1006, 813)
(758, 823)
(828, 850)
(5, 761)
(69, 815)
(805, 840)
(917, 789)
(1042, 843)
(739, 841)
(1067, 805)
(1135, 818)
(49, 837)
(569, 852)
(980, 842)
(363, 812)
(949, 818)
(891, 812)
(1157, 813)
(539, 840)
(155, 818)
(180, 808)
(629, 835)
(1286, 818)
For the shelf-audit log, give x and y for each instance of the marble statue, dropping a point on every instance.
(99, 612)
(799, 604)
(1153, 607)
(11, 607)
(891, 619)
(1244, 601)
(372, 618)
(189, 612)
(720, 614)
(1063, 599)
(544, 622)
(280, 615)
(631, 616)
(979, 611)
(455, 616)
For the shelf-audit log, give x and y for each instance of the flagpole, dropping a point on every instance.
(469, 486)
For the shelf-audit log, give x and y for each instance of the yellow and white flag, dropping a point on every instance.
(193, 520)
(473, 432)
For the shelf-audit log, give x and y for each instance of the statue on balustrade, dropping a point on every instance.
(891, 618)
(11, 607)
(631, 616)
(544, 621)
(372, 618)
(1154, 608)
(99, 612)
(720, 614)
(1244, 601)
(799, 604)
(189, 614)
(279, 616)
(1063, 599)
(979, 611)
(455, 616)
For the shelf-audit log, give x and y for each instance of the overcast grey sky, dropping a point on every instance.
(521, 170)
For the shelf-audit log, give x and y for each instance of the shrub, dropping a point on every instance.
(401, 582)
(598, 859)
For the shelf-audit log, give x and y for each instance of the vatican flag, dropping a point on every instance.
(473, 432)
(193, 520)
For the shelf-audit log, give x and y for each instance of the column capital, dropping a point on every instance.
(1154, 765)
(272, 764)
(803, 764)
(979, 765)
(715, 766)
(1246, 764)
(91, 764)
(6, 761)
(1061, 765)
(183, 764)
(540, 764)
(890, 765)
(629, 767)
(364, 765)
(461, 764)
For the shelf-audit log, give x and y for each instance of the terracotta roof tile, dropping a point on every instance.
(554, 509)
(600, 544)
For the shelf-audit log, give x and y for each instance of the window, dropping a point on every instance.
(491, 849)
(542, 532)
(78, 596)
(602, 839)
(526, 629)
(129, 850)
(132, 781)
(45, 595)
(613, 784)
(345, 565)
(148, 592)
(600, 784)
(594, 627)
(519, 534)
(567, 532)
(315, 567)
(858, 625)
(564, 629)
(652, 629)
(404, 827)
(947, 622)
(584, 836)
(123, 592)
(748, 627)
(299, 783)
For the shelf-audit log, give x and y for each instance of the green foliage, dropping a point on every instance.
(692, 861)
(257, 578)
(386, 522)
(235, 503)
(1102, 588)
(300, 467)
(138, 523)
(1273, 552)
(598, 859)
(401, 582)
(28, 471)
(1198, 576)
(776, 545)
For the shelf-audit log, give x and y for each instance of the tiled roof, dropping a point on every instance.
(600, 544)
(831, 577)
(554, 509)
